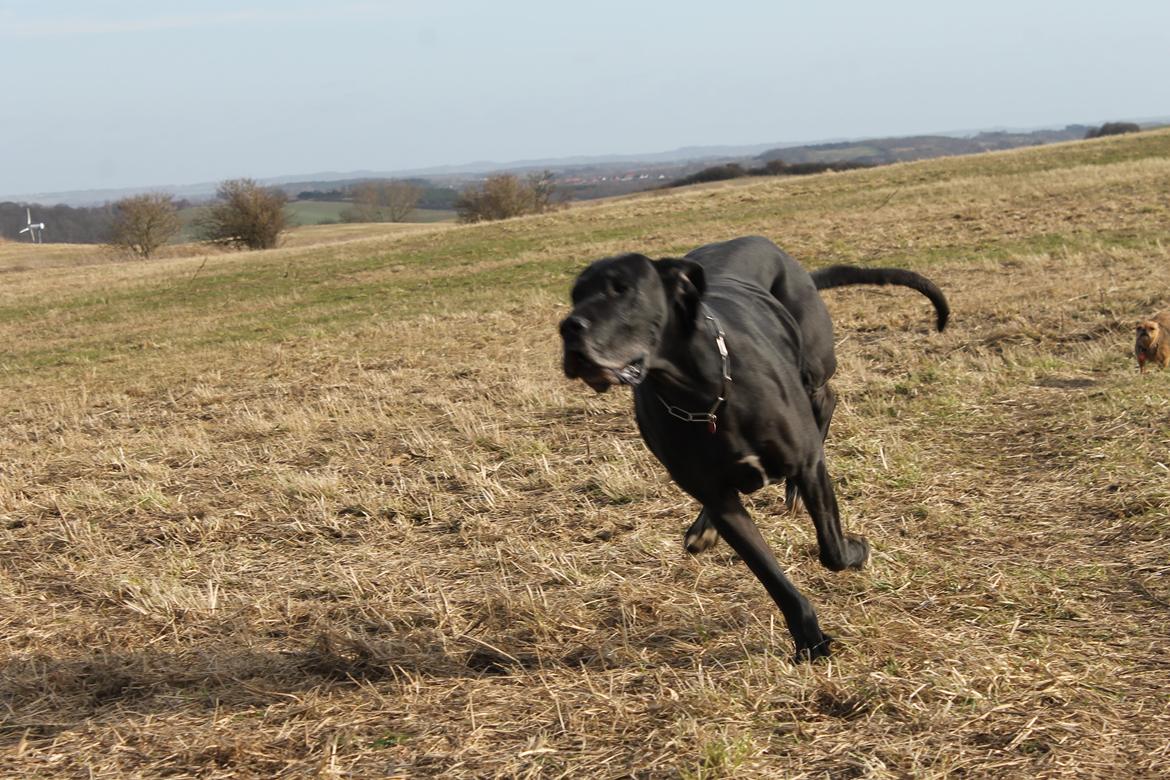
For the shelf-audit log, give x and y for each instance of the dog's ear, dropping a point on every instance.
(683, 281)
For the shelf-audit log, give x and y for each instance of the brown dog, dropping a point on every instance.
(1153, 341)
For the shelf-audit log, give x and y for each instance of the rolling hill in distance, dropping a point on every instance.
(656, 166)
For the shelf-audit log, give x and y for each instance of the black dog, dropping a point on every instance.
(729, 351)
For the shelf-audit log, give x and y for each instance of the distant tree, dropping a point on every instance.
(770, 168)
(774, 167)
(383, 201)
(506, 195)
(1113, 128)
(543, 191)
(809, 168)
(144, 223)
(713, 173)
(500, 197)
(328, 195)
(245, 215)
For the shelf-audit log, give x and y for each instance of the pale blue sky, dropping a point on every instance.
(117, 93)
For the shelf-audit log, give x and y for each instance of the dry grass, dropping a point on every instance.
(332, 511)
(314, 235)
(17, 256)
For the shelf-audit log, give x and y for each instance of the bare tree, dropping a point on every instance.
(383, 201)
(143, 223)
(543, 191)
(505, 195)
(245, 215)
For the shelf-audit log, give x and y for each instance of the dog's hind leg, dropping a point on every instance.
(701, 535)
(731, 520)
(824, 403)
(838, 550)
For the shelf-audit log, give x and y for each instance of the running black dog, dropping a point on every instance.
(729, 351)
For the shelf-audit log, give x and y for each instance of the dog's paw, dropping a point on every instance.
(860, 551)
(704, 539)
(854, 553)
(813, 651)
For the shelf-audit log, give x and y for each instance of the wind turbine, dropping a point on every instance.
(33, 227)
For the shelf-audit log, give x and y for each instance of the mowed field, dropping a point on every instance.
(17, 257)
(312, 212)
(331, 510)
(317, 212)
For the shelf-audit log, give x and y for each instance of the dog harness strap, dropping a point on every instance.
(710, 417)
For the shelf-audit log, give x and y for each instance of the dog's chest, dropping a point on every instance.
(702, 462)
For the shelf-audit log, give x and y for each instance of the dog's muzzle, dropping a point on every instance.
(578, 364)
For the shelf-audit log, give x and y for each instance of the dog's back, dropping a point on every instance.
(756, 261)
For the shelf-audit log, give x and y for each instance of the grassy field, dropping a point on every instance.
(317, 212)
(313, 212)
(16, 257)
(330, 510)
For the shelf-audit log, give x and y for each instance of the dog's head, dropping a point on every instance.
(623, 307)
(1147, 333)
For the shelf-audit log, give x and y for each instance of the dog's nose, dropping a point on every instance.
(573, 326)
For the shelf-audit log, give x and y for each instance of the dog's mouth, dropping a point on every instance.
(634, 372)
(578, 365)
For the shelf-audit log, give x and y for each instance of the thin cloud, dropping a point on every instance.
(67, 26)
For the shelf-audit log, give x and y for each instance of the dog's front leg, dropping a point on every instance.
(731, 520)
(838, 550)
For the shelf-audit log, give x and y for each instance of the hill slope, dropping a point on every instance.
(882, 151)
(332, 509)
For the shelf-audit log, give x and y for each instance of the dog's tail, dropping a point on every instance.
(845, 275)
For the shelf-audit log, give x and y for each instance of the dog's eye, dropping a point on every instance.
(617, 287)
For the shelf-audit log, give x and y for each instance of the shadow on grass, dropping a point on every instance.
(43, 695)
